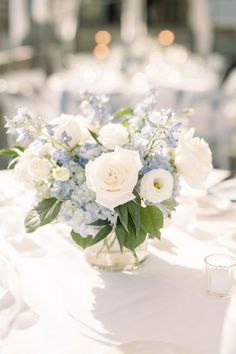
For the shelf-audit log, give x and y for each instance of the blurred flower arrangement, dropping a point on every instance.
(101, 172)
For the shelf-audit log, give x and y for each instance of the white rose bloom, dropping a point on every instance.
(21, 171)
(37, 149)
(113, 134)
(113, 176)
(39, 169)
(193, 159)
(157, 185)
(71, 125)
(31, 166)
(61, 173)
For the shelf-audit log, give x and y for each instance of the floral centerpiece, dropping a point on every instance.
(111, 177)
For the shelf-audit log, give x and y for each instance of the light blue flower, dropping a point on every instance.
(62, 190)
(90, 151)
(61, 156)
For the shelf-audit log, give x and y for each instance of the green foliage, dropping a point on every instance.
(88, 241)
(133, 240)
(122, 211)
(83, 242)
(102, 233)
(133, 224)
(152, 220)
(125, 123)
(120, 234)
(13, 152)
(99, 222)
(171, 204)
(94, 136)
(134, 212)
(124, 112)
(44, 213)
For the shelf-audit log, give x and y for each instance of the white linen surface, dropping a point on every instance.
(82, 310)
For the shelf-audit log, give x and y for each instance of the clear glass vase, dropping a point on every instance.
(106, 255)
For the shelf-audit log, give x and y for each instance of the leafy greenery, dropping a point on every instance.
(122, 211)
(13, 152)
(170, 203)
(102, 233)
(152, 220)
(124, 112)
(44, 213)
(88, 241)
(99, 222)
(125, 123)
(132, 240)
(135, 222)
(94, 136)
(134, 212)
(120, 234)
(83, 242)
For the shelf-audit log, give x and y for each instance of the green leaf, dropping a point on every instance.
(83, 242)
(170, 203)
(94, 136)
(100, 222)
(13, 152)
(120, 234)
(122, 211)
(44, 213)
(19, 147)
(134, 212)
(125, 123)
(152, 220)
(102, 233)
(12, 162)
(132, 241)
(124, 111)
(137, 199)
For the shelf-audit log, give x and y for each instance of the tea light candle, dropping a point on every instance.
(220, 274)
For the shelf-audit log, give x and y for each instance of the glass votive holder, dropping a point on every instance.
(220, 274)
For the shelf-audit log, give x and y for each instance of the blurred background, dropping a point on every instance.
(186, 49)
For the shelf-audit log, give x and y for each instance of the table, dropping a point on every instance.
(82, 310)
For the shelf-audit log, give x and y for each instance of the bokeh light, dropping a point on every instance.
(102, 37)
(166, 37)
(101, 51)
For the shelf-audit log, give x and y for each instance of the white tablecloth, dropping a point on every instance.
(82, 310)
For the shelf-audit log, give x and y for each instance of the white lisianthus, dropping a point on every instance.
(61, 173)
(39, 169)
(73, 126)
(113, 134)
(157, 186)
(113, 176)
(193, 159)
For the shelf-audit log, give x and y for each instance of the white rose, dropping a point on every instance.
(157, 185)
(36, 149)
(113, 134)
(21, 171)
(39, 169)
(71, 125)
(193, 159)
(113, 176)
(61, 173)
